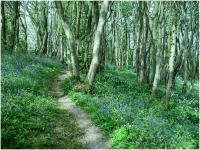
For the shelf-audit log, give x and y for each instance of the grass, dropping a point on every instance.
(30, 116)
(120, 108)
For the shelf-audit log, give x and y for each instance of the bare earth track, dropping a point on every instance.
(92, 137)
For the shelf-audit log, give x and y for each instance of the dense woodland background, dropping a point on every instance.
(158, 40)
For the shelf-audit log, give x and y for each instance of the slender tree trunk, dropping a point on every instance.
(3, 24)
(70, 39)
(171, 59)
(61, 48)
(148, 65)
(89, 37)
(17, 25)
(103, 53)
(44, 45)
(158, 53)
(143, 50)
(167, 57)
(138, 49)
(45, 26)
(113, 38)
(95, 60)
(78, 41)
(157, 68)
(163, 61)
(15, 5)
(127, 50)
(25, 32)
(185, 51)
(128, 45)
(194, 66)
(69, 62)
(191, 43)
(121, 38)
(154, 40)
(96, 12)
(116, 49)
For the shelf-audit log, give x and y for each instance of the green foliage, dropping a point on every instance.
(28, 113)
(120, 106)
(67, 86)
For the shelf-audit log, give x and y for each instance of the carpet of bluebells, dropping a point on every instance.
(25, 99)
(120, 107)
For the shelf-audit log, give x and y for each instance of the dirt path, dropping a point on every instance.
(92, 136)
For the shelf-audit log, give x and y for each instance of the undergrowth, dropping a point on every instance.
(121, 108)
(30, 117)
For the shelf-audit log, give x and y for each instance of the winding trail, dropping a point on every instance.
(92, 137)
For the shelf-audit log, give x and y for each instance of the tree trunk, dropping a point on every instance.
(69, 62)
(171, 59)
(194, 66)
(96, 13)
(61, 48)
(116, 49)
(143, 50)
(102, 53)
(158, 53)
(25, 32)
(70, 39)
(113, 38)
(44, 43)
(17, 25)
(95, 60)
(78, 19)
(3, 24)
(138, 49)
(148, 65)
(154, 41)
(15, 5)
(89, 37)
(185, 51)
(127, 50)
(163, 60)
(121, 62)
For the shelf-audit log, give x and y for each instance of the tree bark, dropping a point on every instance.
(154, 41)
(61, 48)
(116, 49)
(69, 62)
(89, 37)
(113, 38)
(15, 5)
(25, 32)
(95, 60)
(3, 24)
(155, 83)
(185, 51)
(195, 62)
(171, 59)
(70, 39)
(143, 50)
(163, 61)
(138, 49)
(78, 19)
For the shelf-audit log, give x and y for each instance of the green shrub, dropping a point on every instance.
(120, 106)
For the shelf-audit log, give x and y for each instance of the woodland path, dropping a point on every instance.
(92, 137)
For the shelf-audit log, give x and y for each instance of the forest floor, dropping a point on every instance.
(91, 135)
(32, 118)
